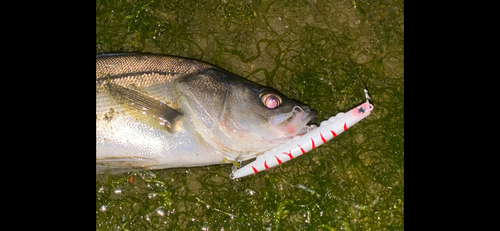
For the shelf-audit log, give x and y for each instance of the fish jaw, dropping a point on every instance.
(293, 123)
(247, 144)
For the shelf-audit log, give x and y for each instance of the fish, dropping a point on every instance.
(157, 111)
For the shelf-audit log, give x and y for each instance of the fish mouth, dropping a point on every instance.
(308, 126)
(295, 122)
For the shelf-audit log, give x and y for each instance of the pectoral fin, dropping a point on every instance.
(145, 108)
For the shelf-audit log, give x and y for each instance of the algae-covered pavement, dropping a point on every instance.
(320, 53)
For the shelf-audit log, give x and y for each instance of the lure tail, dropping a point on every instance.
(327, 130)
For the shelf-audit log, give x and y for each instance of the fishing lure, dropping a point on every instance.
(299, 145)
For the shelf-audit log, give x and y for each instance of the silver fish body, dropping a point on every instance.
(158, 111)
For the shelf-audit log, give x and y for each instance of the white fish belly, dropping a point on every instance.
(124, 142)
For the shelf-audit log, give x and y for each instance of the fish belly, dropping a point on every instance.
(123, 143)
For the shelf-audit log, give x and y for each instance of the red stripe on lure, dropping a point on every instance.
(278, 159)
(322, 138)
(301, 149)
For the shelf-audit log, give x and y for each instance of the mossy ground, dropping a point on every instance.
(311, 51)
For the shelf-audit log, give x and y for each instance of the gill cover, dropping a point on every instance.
(206, 96)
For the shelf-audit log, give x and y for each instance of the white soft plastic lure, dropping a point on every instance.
(327, 130)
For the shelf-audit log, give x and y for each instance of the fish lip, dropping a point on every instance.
(301, 116)
(310, 114)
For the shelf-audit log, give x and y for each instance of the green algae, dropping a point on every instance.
(320, 53)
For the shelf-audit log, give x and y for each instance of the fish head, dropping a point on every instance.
(240, 118)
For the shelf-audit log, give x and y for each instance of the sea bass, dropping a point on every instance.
(157, 111)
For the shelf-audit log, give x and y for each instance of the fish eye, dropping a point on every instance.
(271, 100)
